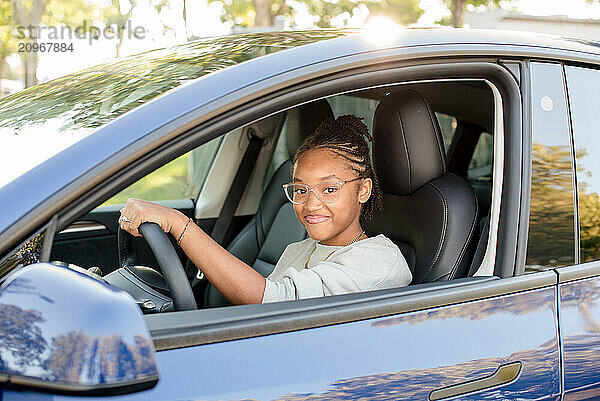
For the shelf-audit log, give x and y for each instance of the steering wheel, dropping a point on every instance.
(170, 265)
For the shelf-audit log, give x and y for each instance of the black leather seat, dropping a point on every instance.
(429, 213)
(262, 241)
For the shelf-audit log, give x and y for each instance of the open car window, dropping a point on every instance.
(181, 178)
(480, 166)
(215, 163)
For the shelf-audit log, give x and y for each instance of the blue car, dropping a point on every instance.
(487, 149)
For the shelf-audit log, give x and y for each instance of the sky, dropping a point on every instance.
(206, 17)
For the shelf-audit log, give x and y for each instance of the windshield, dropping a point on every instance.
(39, 122)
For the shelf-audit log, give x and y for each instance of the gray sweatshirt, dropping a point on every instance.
(371, 264)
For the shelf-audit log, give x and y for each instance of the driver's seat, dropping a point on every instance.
(429, 213)
(262, 241)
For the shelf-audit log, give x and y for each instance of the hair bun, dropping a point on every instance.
(355, 125)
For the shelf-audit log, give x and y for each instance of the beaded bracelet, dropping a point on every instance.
(184, 230)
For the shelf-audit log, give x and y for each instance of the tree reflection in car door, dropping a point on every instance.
(401, 357)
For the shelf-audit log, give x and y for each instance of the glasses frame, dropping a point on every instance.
(310, 189)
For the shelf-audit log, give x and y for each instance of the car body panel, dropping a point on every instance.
(398, 357)
(580, 336)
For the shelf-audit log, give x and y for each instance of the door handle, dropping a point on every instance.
(504, 374)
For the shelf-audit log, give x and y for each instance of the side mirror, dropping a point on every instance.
(64, 331)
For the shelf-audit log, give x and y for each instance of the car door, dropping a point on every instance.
(479, 338)
(580, 284)
(504, 347)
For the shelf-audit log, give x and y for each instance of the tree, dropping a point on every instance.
(8, 42)
(21, 337)
(263, 12)
(112, 16)
(76, 357)
(457, 8)
(30, 14)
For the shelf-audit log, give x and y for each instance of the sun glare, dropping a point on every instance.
(381, 30)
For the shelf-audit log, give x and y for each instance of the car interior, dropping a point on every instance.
(432, 150)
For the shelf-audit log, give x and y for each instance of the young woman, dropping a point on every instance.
(333, 188)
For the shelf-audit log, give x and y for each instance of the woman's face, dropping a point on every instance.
(336, 223)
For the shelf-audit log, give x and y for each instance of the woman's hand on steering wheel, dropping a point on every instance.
(138, 211)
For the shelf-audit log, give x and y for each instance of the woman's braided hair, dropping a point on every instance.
(346, 136)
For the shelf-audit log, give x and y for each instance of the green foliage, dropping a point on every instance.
(8, 41)
(404, 12)
(180, 179)
(112, 14)
(239, 12)
(71, 13)
(589, 218)
(401, 11)
(448, 127)
(168, 182)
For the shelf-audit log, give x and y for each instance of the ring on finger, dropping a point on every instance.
(125, 219)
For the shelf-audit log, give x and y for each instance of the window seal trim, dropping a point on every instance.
(489, 257)
(578, 272)
(576, 222)
(526, 168)
(193, 328)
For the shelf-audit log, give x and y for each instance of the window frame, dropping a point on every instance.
(528, 153)
(573, 135)
(578, 270)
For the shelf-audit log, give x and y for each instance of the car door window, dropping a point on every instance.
(480, 166)
(28, 252)
(180, 179)
(584, 89)
(551, 240)
(448, 126)
(360, 107)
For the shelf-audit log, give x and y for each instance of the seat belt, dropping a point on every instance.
(232, 200)
(237, 188)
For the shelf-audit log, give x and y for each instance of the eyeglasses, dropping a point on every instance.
(326, 192)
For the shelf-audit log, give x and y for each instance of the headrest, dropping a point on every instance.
(265, 127)
(303, 121)
(408, 150)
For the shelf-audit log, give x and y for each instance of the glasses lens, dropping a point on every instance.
(296, 193)
(328, 192)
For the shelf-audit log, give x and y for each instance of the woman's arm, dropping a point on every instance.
(237, 281)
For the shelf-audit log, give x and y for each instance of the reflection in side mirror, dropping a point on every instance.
(64, 331)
